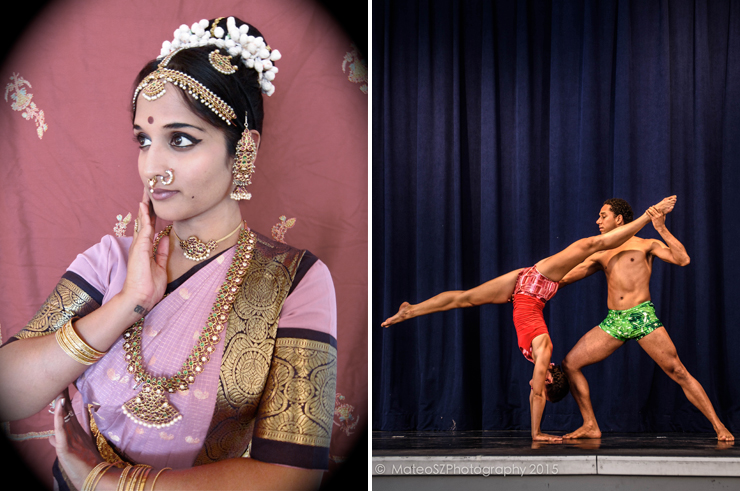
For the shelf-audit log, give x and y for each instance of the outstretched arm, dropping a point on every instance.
(674, 252)
(541, 352)
(497, 290)
(586, 268)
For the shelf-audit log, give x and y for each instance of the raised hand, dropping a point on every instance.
(146, 277)
(657, 217)
(404, 313)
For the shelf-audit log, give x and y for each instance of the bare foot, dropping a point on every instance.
(666, 206)
(543, 437)
(724, 435)
(404, 313)
(585, 431)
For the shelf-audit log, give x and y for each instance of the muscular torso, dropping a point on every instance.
(628, 269)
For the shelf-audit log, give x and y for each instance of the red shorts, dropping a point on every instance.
(528, 321)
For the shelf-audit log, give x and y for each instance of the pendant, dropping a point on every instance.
(196, 250)
(151, 408)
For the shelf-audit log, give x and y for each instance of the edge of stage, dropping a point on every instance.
(427, 460)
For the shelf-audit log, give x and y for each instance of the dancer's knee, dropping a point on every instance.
(569, 366)
(677, 371)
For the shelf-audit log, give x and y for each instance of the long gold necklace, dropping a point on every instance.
(151, 407)
(196, 250)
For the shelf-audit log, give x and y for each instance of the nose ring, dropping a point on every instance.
(153, 181)
(170, 177)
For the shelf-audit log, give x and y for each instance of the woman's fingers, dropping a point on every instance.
(59, 439)
(163, 252)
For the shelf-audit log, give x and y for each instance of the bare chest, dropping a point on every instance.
(630, 262)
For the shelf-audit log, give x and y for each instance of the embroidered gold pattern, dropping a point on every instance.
(105, 449)
(357, 67)
(279, 229)
(248, 349)
(298, 405)
(22, 102)
(343, 411)
(120, 228)
(66, 301)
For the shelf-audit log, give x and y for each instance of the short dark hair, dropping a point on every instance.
(621, 207)
(241, 90)
(560, 385)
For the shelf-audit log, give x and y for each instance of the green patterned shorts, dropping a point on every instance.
(634, 323)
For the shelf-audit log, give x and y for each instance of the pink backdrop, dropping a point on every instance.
(63, 184)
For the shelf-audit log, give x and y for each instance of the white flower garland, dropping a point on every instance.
(255, 54)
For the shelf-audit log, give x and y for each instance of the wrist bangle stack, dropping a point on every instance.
(136, 481)
(132, 478)
(95, 475)
(75, 347)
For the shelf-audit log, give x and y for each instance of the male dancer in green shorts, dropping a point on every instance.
(631, 315)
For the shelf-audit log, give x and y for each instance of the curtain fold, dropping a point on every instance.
(499, 129)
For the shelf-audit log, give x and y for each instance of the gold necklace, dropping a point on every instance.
(196, 250)
(151, 407)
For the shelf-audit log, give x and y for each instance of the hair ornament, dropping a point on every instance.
(222, 63)
(253, 51)
(153, 87)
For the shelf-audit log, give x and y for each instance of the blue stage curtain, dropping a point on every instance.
(499, 129)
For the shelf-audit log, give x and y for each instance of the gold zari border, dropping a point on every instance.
(298, 403)
(65, 302)
(248, 348)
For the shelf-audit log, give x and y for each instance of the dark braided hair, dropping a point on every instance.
(560, 385)
(620, 207)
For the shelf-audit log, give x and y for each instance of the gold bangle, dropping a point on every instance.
(122, 478)
(75, 347)
(95, 475)
(82, 345)
(132, 478)
(157, 476)
(136, 477)
(144, 477)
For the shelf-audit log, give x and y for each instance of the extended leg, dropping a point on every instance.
(595, 346)
(661, 349)
(558, 265)
(497, 290)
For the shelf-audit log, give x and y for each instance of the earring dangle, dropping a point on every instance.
(246, 153)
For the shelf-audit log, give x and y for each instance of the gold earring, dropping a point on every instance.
(246, 153)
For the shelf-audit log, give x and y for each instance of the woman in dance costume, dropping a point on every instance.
(529, 289)
(200, 363)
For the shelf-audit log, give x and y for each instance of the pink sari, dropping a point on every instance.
(170, 330)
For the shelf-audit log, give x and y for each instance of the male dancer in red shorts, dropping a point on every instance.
(531, 288)
(631, 315)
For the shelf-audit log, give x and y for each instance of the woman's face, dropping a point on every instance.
(171, 136)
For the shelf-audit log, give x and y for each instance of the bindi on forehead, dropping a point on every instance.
(150, 120)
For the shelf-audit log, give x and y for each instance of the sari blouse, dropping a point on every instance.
(267, 391)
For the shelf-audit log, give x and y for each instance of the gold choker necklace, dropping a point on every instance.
(151, 407)
(196, 250)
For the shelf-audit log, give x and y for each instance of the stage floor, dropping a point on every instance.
(469, 459)
(510, 443)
